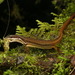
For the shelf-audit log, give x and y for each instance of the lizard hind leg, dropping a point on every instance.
(57, 49)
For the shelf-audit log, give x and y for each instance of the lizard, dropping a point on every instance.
(37, 43)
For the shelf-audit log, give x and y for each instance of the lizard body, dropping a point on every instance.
(31, 42)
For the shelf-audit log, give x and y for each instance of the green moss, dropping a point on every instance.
(44, 31)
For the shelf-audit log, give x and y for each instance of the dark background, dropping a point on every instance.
(29, 11)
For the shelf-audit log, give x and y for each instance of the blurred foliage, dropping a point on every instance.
(1, 1)
(64, 6)
(37, 1)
